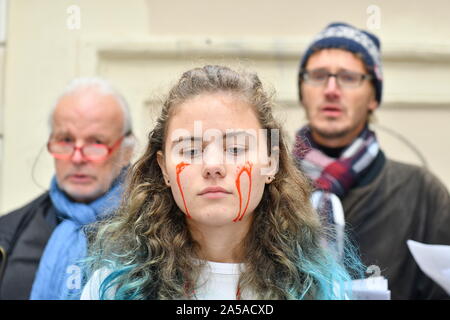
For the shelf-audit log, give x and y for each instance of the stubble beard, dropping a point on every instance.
(338, 133)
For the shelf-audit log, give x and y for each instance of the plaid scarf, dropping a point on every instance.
(331, 174)
(334, 176)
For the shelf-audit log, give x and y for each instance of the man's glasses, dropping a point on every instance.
(91, 151)
(344, 78)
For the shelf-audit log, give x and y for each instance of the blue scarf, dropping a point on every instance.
(59, 276)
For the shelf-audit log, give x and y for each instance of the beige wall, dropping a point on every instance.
(3, 14)
(143, 45)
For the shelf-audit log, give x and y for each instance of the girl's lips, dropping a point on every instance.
(214, 192)
(215, 195)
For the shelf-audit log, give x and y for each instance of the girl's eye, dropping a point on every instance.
(190, 153)
(236, 150)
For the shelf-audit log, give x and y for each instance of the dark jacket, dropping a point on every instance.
(392, 203)
(23, 236)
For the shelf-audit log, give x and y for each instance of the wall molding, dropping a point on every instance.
(254, 47)
(429, 62)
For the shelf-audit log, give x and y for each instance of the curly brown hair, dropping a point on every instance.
(148, 247)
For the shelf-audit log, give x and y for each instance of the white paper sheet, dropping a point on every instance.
(433, 260)
(373, 288)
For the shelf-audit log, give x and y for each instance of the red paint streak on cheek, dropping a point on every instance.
(180, 167)
(247, 168)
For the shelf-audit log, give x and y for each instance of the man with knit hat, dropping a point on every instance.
(383, 202)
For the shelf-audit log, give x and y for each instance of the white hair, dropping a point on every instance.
(104, 87)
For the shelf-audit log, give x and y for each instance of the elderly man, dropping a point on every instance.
(91, 142)
(384, 202)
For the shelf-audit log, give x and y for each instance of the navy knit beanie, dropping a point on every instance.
(346, 37)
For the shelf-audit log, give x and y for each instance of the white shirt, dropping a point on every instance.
(92, 287)
(217, 281)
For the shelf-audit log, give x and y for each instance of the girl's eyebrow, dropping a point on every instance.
(226, 135)
(233, 133)
(186, 138)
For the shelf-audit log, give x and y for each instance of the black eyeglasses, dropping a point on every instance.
(344, 78)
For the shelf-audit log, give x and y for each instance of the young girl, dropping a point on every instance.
(215, 208)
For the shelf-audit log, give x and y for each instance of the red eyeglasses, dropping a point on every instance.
(91, 151)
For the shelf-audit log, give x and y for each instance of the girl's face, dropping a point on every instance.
(215, 159)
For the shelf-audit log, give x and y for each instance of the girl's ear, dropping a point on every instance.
(162, 166)
(269, 179)
(272, 167)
